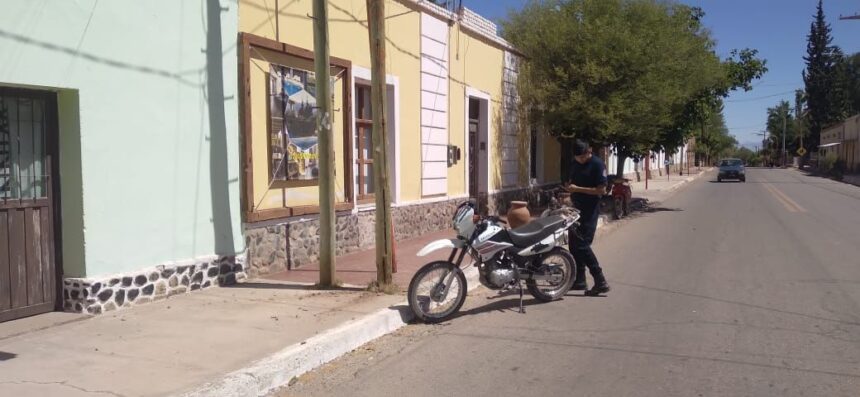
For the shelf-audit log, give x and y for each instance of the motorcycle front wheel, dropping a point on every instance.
(559, 265)
(429, 298)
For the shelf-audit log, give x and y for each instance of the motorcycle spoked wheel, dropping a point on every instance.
(427, 298)
(558, 262)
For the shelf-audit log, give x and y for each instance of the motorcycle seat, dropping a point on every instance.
(535, 231)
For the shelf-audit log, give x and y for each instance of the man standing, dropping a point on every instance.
(587, 183)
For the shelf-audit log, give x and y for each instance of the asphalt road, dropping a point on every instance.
(724, 289)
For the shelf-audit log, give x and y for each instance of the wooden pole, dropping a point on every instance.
(326, 143)
(384, 241)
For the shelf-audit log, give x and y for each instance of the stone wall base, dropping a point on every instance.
(294, 242)
(99, 295)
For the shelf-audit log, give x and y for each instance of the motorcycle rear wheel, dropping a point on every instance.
(427, 302)
(560, 262)
(617, 210)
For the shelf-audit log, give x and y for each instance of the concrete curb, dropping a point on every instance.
(272, 372)
(685, 181)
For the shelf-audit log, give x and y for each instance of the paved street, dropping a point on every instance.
(732, 289)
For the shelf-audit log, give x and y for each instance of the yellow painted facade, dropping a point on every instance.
(476, 64)
(474, 61)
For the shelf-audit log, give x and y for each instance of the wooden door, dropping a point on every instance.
(474, 151)
(28, 273)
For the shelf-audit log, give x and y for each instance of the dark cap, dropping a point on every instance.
(580, 147)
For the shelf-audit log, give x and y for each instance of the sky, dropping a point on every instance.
(778, 29)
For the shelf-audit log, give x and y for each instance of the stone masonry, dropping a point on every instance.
(96, 296)
(295, 242)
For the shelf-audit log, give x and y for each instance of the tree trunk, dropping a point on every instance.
(620, 164)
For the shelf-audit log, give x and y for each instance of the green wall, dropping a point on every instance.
(148, 124)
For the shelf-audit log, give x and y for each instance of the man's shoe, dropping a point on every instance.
(598, 289)
(579, 286)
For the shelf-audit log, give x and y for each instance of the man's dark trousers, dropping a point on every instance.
(580, 247)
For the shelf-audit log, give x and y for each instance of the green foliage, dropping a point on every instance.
(638, 74)
(825, 99)
(611, 71)
(850, 74)
(748, 156)
(714, 141)
(832, 166)
(779, 117)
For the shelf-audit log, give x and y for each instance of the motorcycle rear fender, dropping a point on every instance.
(448, 243)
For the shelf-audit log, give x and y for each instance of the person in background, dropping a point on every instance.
(586, 183)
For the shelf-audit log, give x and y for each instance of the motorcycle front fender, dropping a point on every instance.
(448, 243)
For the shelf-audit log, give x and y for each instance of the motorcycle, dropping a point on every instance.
(505, 258)
(618, 196)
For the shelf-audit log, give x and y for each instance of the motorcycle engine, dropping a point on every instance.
(497, 272)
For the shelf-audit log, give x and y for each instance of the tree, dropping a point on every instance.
(611, 71)
(748, 156)
(715, 141)
(850, 74)
(739, 70)
(821, 78)
(801, 126)
(781, 117)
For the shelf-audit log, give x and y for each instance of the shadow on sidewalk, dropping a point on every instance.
(4, 356)
(296, 287)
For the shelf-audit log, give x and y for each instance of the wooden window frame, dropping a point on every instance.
(360, 127)
(250, 214)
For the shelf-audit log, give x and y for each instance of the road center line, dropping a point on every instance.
(779, 198)
(788, 199)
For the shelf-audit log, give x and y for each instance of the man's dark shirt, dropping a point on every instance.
(590, 174)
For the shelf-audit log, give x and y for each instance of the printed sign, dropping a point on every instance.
(293, 109)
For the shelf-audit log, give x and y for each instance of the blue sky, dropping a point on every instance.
(777, 29)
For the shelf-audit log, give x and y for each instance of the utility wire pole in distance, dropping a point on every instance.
(384, 238)
(326, 143)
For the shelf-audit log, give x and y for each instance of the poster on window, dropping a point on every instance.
(293, 109)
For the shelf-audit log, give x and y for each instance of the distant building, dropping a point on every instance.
(842, 140)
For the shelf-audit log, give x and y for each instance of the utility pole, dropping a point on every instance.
(784, 117)
(326, 143)
(855, 16)
(384, 238)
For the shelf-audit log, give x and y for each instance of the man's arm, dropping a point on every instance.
(594, 191)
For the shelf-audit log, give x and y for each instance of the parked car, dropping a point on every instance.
(732, 169)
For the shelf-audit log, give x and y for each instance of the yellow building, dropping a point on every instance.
(842, 140)
(454, 130)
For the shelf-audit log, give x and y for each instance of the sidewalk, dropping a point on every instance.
(359, 268)
(853, 179)
(240, 340)
(177, 344)
(660, 187)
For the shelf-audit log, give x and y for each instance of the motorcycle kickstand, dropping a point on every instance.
(522, 309)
